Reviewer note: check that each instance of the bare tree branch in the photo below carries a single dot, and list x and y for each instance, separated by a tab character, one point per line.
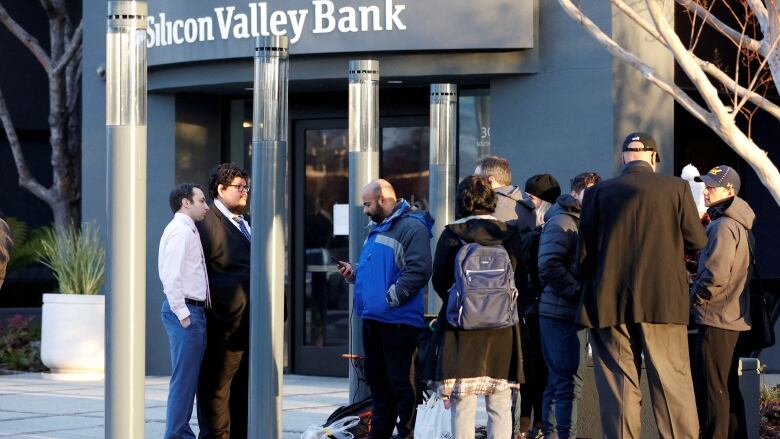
718	118
73	46
49	8
760	10
769	20
728	82
695	42
711	69
73	76
26	179
726	30
752	84
28	40
648	72
723	123
707	91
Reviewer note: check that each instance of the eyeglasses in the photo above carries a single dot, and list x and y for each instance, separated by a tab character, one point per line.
240	187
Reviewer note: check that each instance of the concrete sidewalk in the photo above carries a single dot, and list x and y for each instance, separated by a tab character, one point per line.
34	407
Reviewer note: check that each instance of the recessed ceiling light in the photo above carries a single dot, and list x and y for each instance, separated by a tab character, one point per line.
395	81
249	88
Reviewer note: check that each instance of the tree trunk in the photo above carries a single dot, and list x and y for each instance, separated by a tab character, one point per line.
62	65
63	214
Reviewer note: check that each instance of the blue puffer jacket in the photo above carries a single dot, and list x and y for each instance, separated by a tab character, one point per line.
396	254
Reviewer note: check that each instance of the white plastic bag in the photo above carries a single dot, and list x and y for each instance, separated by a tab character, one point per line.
433	421
337	430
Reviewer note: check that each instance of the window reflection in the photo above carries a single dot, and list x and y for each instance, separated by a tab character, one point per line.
326	298
405	159
473	129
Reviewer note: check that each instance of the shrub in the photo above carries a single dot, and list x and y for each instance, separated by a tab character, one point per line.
77	259
20	344
769	410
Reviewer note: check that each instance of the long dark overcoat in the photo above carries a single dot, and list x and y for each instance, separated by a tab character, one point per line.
634	230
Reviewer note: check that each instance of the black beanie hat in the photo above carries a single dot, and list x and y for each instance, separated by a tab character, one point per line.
543	186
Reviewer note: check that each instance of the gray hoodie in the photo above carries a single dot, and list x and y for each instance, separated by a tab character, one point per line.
721	298
513	208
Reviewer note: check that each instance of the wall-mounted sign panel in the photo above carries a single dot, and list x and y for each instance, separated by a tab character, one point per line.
199	30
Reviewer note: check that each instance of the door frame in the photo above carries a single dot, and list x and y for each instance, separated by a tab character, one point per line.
307	360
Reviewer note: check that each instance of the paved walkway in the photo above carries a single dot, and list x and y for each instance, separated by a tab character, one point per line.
34	407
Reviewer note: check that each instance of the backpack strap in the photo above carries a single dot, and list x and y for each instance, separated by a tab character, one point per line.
754	268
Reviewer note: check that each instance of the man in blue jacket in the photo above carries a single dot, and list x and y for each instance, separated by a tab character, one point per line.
394	266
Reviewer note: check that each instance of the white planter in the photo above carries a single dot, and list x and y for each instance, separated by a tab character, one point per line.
73	333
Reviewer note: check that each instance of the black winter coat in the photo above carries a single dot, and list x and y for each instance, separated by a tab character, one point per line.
560	296
474	353
634	231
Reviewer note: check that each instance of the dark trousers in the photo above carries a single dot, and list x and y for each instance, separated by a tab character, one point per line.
716	382
535	371
223	388
389	353
564	346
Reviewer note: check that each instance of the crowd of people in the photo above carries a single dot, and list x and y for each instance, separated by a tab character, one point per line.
602	264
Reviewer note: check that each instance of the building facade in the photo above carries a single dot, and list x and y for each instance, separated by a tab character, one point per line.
533	87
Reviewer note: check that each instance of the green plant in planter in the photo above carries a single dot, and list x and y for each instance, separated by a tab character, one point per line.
76	258
27	243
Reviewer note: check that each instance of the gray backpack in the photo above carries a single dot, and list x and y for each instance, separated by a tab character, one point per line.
484	295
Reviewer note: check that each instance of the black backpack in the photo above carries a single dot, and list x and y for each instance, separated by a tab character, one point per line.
361	409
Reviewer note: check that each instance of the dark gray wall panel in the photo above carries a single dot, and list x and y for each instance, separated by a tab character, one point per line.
559	120
161	158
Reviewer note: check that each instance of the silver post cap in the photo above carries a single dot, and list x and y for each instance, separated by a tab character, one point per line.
441	93
363	70
272	45
127	14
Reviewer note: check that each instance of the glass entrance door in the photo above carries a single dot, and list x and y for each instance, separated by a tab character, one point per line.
321	172
320	168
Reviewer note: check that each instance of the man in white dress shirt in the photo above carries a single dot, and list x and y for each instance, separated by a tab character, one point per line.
185	284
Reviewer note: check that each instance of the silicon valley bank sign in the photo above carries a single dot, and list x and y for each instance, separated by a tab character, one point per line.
200	30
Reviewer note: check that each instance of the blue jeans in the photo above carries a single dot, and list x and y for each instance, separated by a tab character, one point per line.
187	348
563	345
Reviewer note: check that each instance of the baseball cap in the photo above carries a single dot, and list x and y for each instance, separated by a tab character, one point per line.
647	141
721	176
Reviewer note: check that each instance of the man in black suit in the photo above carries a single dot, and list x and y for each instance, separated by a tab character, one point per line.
225	235
634	229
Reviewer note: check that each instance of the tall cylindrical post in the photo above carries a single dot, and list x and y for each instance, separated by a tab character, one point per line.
363	168
266	287
441	190
126	138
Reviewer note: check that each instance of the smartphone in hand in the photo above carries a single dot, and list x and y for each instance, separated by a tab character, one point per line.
336	261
